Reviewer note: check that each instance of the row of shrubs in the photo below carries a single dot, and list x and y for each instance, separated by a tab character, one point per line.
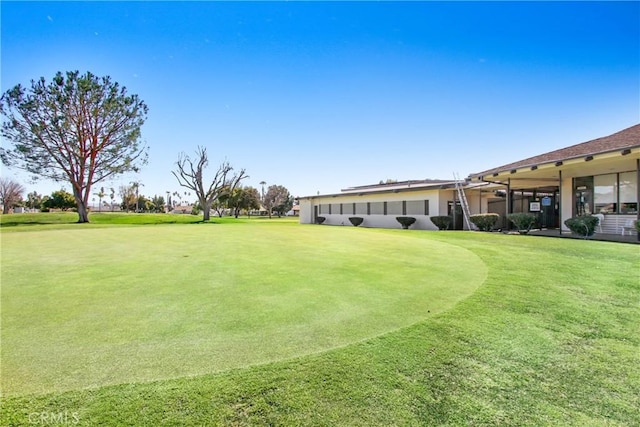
487	222
523	221
484	222
405	221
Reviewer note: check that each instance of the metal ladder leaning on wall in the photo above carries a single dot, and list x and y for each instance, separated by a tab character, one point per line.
463	202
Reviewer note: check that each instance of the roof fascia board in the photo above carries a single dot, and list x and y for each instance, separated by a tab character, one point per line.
552	164
385	191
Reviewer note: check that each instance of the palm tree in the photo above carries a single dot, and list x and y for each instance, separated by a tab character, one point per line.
136	185
262	183
112	195
100	195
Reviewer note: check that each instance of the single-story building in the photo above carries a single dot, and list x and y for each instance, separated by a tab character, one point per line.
595	177
380	204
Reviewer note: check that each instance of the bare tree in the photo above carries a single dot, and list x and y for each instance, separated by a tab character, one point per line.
10	193
80	129
190	175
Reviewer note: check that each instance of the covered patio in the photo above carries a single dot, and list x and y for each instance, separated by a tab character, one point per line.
597	177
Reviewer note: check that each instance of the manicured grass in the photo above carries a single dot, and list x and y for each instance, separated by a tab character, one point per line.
68	220
115	305
550	338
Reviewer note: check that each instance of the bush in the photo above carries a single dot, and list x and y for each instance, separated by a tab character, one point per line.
638	226
485	222
320	219
443	222
582	225
523	221
405	221
356	220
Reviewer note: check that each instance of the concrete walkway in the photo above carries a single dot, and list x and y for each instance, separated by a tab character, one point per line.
597	236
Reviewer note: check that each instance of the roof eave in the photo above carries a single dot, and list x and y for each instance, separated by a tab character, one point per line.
494	173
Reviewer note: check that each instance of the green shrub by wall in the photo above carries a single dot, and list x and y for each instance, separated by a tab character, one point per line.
405	221
356	220
485	222
582	225
523	221
443	222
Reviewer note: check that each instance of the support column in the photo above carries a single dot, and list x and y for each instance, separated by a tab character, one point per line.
560	201
508	201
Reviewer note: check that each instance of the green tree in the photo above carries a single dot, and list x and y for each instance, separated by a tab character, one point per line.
250	199
80	129
144	204
158	204
128	197
34	200
243	198
60	199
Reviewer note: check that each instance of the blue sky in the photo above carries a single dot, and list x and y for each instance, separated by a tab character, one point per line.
320	96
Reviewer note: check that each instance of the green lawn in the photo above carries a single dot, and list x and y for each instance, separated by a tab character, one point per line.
272	322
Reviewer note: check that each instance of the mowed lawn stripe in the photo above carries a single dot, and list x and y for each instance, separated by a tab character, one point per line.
83	308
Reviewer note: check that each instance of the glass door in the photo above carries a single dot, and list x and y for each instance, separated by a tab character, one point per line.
583	195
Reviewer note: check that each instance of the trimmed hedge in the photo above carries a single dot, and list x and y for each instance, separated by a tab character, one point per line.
405	221
485	222
356	220
443	222
320	219
523	221
582	225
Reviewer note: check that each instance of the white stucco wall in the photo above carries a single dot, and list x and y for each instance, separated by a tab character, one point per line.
376	220
306	211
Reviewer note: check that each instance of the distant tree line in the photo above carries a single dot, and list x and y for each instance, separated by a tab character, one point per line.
237	201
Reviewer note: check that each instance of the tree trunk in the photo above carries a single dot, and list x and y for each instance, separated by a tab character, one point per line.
206	211
83	212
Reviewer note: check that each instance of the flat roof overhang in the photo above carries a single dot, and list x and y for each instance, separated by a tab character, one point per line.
404	189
